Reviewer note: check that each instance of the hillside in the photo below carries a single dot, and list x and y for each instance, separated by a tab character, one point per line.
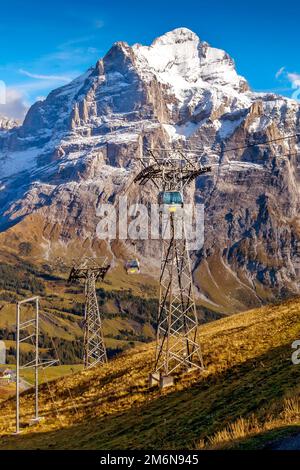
128	305
248	395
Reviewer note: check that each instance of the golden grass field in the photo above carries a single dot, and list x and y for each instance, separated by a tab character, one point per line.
248	395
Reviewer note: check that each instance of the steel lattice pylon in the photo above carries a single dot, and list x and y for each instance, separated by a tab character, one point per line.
177	329
25	331
94	347
177	343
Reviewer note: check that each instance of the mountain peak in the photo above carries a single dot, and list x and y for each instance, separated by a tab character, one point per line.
187	66
177	36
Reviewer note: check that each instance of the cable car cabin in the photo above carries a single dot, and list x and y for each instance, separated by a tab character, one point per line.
172	200
133	266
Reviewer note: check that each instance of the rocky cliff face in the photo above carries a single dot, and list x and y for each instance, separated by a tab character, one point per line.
80	147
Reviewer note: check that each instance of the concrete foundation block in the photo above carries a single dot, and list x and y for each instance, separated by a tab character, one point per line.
35	421
154	379
166	381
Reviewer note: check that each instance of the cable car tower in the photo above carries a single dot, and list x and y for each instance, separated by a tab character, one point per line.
177	343
91	271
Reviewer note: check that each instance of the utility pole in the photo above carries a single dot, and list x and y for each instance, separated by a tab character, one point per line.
91	271
31	329
177	343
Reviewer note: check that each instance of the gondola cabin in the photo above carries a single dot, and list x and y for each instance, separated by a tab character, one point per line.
171	200
133	266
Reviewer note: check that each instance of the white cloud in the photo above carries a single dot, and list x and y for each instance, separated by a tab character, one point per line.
32	87
92	50
75	41
61	78
16	105
2	92
67	61
294	78
19	97
280	72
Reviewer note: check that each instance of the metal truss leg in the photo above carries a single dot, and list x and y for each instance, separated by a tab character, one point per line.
94	347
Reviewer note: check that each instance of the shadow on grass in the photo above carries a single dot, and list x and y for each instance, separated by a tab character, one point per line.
180	418
282	438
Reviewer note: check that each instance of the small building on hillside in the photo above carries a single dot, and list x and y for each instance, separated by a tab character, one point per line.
6	374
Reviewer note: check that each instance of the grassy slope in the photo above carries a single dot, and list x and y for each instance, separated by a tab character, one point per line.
51	373
6	390
248	393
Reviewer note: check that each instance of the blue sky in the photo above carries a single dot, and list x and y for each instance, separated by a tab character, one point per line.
44	45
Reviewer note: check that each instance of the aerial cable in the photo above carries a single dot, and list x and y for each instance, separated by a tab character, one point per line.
244	147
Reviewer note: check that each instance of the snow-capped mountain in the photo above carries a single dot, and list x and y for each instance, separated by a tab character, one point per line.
81	145
7	123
